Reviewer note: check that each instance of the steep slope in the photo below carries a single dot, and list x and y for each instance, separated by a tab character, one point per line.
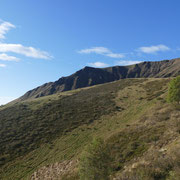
43	138
89	76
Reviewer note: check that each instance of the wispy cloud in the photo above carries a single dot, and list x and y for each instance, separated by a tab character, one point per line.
20	49
5	57
153	49
2	65
23	50
98	64
97	50
4	28
127	62
103	51
177	49
114	55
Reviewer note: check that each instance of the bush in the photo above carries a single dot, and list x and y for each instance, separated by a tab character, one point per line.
95	161
174	90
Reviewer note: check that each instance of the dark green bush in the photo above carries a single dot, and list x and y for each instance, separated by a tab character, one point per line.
174	90
95	162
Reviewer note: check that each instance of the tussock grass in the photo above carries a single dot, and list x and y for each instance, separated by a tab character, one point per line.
131	115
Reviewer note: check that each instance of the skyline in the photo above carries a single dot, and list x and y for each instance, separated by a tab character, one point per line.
43	41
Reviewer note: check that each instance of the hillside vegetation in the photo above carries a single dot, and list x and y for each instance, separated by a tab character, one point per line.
49	137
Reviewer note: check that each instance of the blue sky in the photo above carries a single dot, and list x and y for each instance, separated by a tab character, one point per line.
40	41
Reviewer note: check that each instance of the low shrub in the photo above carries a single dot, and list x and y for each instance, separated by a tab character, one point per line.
95	162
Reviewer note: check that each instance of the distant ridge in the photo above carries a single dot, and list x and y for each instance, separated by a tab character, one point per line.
89	76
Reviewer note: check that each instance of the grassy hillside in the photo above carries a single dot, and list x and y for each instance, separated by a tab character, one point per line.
47	135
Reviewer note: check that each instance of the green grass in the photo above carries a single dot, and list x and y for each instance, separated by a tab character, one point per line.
36	133
25	126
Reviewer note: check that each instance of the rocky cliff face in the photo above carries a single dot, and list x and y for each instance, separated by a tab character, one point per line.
90	76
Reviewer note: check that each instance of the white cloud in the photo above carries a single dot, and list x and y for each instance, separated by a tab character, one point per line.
103	51
4	100
5	57
17	48
2	65
126	63
4	28
153	49
26	51
98	64
97	50
114	55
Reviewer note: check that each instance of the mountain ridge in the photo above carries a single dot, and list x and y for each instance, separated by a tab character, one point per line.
89	76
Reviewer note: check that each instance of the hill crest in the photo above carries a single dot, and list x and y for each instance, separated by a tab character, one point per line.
89	76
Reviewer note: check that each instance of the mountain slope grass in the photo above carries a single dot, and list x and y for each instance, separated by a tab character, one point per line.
130	115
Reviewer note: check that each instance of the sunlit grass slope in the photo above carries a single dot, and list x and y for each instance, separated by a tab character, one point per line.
131	115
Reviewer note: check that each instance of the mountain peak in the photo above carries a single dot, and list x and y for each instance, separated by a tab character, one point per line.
89	76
